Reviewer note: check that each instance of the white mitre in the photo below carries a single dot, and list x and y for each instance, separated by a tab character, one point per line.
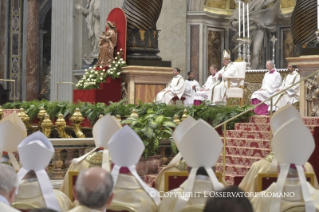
293	143
282	115
12	132
226	55
102	131
35	153
126	149
200	146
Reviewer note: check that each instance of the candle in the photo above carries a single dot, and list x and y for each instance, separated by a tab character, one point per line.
248	20
243	20
239	23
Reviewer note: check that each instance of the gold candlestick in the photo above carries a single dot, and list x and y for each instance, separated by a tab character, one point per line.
61	126
77	119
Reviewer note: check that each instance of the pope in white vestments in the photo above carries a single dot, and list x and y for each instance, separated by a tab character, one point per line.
291	95
205	93
176	88
229	70
191	86
271	82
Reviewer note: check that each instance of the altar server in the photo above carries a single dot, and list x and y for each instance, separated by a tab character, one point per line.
200	156
271	82
102	131
286	143
8	185
129	188
206	92
175	88
229	70
12	132
191	86
269	164
35	153
291	95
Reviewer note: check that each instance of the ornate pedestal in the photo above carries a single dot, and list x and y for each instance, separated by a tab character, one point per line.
306	65
143	82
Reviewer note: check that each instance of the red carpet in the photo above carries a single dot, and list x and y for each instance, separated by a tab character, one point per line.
248	143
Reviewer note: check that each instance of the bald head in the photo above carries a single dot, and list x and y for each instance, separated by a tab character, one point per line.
94	188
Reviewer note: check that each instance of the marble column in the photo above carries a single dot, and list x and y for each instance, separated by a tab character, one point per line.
33	51
195	5
62	49
4	39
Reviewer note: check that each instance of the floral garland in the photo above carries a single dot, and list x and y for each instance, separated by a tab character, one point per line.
96	75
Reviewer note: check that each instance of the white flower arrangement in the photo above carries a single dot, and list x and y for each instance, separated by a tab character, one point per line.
93	77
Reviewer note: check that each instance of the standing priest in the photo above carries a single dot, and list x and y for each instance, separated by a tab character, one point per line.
271	82
176	88
229	70
291	95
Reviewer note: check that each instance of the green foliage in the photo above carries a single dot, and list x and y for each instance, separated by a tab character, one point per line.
155	122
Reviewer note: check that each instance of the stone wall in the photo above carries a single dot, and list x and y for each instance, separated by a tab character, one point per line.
172	37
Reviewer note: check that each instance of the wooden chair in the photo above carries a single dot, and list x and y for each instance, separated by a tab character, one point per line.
73	175
299	208
175	179
264	180
237	92
193	209
23	206
176	98
118	207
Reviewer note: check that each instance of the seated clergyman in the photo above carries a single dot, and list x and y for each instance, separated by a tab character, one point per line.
205	93
176	88
291	95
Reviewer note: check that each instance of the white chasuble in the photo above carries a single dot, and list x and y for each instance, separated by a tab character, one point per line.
292	95
176	88
205	93
271	82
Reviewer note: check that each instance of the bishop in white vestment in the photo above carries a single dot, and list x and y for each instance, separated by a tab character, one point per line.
229	70
191	86
176	88
205	93
291	95
271	82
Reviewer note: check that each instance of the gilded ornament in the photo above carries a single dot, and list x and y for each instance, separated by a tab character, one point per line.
181	165
176	119
46	125
77	119
61	125
269	157
134	113
118	117
185	115
25	118
41	115
95	159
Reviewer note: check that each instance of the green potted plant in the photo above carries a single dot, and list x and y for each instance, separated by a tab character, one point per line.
151	127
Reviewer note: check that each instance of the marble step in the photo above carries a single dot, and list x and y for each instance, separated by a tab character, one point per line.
247	142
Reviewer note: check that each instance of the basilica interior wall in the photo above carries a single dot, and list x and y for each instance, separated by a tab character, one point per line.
172	35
